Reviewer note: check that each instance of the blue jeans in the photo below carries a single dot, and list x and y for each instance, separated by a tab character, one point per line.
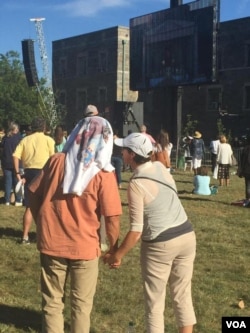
10	182
117	164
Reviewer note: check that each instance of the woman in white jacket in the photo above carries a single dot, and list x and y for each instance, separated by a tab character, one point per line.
224	160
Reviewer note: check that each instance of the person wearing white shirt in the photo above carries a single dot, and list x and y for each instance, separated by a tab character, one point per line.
213	147
224	159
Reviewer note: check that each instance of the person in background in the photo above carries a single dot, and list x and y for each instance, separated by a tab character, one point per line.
168	243
213	147
244	170
127	167
143	130
26	131
187	155
197	150
2	134
9	144
169	145
60	139
202	182
67	200
161	148
33	151
224	159
116	160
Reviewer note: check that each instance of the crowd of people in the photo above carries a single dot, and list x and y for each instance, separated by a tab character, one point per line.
222	158
71	183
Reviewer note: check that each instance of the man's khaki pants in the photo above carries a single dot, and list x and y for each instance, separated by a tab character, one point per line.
83	279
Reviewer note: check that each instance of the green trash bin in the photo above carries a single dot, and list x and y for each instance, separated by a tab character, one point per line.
181	162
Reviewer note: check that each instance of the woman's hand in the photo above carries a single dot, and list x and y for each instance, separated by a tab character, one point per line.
111	260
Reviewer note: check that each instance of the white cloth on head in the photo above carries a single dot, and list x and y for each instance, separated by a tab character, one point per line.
88	150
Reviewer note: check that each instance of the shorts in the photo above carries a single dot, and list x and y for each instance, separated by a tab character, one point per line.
196	163
29	174
223	171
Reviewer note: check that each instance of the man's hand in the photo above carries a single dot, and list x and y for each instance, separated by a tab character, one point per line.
114	257
111	260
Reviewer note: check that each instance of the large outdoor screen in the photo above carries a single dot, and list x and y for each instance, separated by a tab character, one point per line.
176	46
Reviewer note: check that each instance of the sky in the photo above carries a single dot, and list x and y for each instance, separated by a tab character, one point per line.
67	18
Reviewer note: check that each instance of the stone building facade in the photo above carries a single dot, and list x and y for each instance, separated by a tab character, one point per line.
92	68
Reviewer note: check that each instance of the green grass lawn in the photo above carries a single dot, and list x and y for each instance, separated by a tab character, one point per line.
221	273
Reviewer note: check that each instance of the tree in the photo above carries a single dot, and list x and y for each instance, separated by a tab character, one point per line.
18	102
189	126
220	127
222	130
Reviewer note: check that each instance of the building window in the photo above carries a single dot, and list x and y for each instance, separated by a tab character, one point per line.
248	55
102	98
102	95
82	65
102	62
81	100
214	98
61	104
62	67
62	98
247	97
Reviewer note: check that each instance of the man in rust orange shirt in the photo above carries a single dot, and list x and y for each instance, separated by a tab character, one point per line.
67	216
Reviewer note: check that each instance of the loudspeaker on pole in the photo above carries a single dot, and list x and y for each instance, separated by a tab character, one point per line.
29	62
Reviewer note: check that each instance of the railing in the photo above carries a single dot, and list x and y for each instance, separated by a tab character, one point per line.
206	159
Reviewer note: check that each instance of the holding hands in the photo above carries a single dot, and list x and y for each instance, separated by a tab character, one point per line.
114	258
110	259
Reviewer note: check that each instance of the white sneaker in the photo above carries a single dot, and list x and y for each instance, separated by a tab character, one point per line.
18	204
7	203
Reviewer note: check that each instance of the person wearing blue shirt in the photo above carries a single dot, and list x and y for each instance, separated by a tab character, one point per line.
197	150
8	146
202	182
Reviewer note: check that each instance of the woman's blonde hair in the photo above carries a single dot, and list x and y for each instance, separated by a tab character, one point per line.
223	139
13	128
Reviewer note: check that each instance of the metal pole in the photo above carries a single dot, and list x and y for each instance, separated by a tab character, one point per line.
123	67
179	93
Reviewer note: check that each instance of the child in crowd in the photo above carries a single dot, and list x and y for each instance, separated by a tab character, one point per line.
60	139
